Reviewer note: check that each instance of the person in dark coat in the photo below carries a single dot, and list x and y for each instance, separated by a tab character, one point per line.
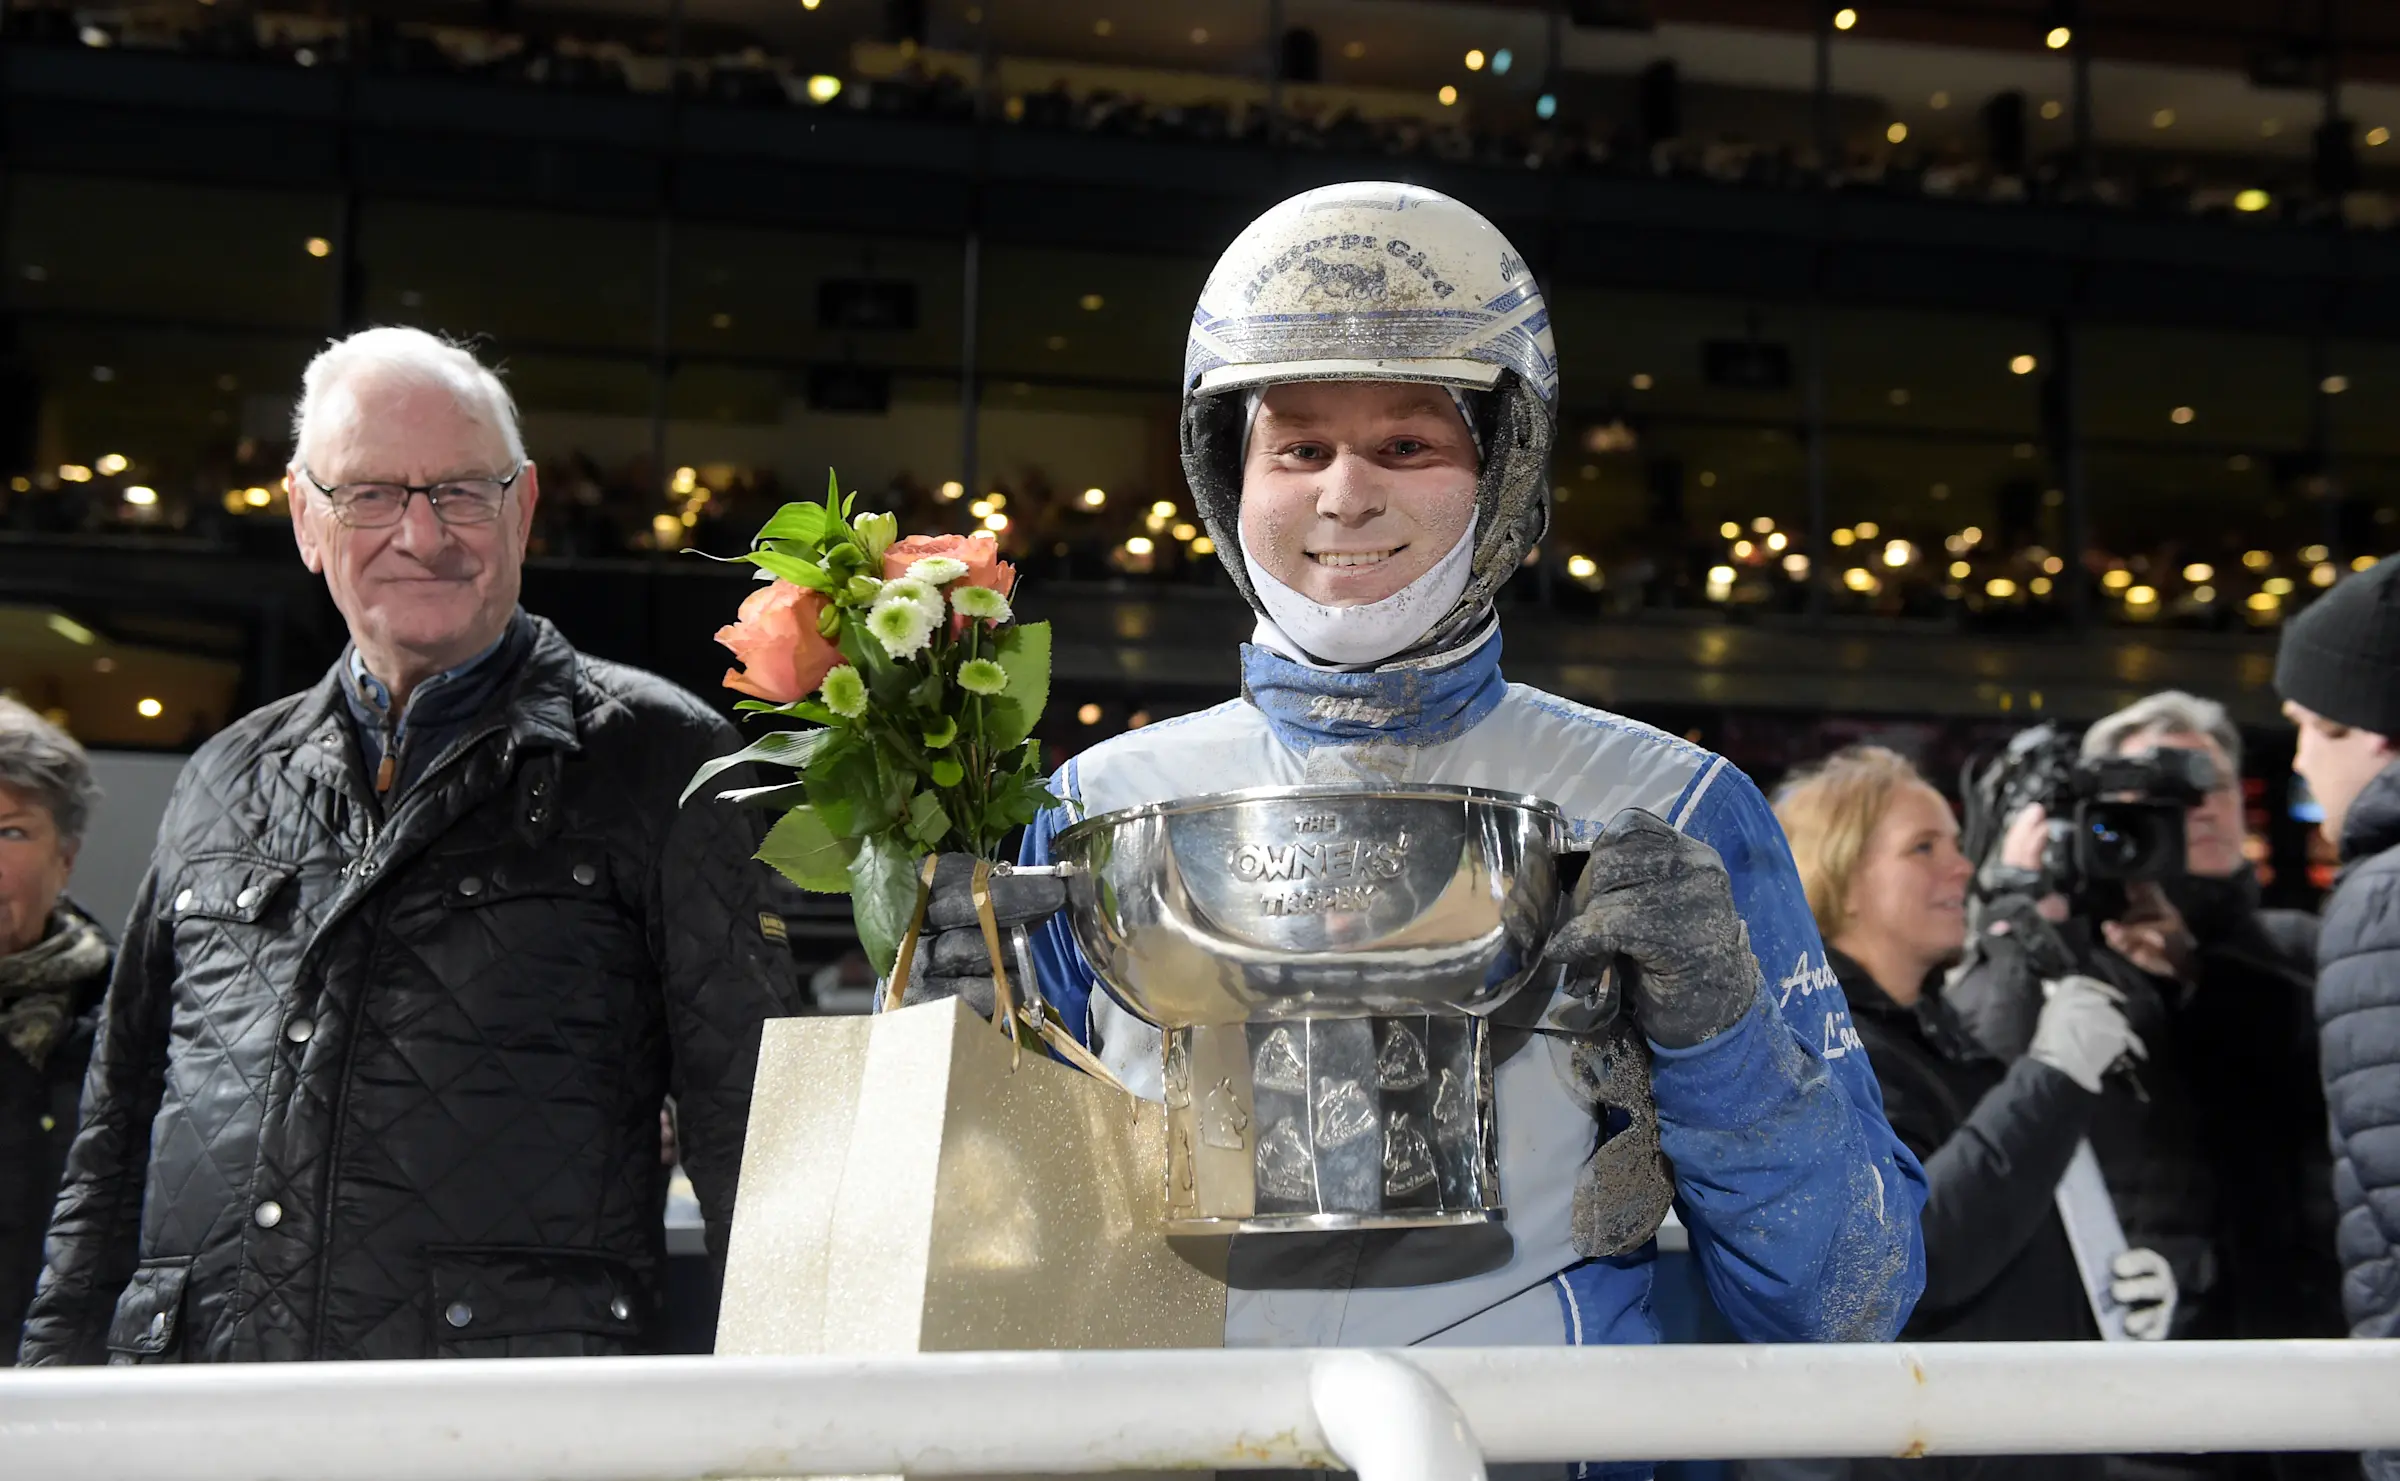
421	953
2338	670
54	963
1878	853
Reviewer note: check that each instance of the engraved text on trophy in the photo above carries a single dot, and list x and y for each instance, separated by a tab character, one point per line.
1314	873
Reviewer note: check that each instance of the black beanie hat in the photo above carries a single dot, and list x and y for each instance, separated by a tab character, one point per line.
2341	657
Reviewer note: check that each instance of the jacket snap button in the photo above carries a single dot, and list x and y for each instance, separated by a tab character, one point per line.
459	1314
183	902
248	898
267	1215
158	1324
620	1308
366	868
300	1030
585	874
470	886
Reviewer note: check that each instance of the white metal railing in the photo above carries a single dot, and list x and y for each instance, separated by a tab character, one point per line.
1426	1414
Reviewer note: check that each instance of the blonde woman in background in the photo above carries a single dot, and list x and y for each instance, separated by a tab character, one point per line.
1878	855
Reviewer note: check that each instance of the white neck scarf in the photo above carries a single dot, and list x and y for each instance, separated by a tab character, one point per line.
1369	633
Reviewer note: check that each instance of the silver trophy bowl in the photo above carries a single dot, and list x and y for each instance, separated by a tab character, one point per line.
1319	960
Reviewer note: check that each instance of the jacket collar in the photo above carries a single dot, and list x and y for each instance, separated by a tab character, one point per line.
2373	823
1416	706
534	707
1931	1017
453	695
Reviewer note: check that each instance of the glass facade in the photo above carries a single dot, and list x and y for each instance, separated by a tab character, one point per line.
1914	324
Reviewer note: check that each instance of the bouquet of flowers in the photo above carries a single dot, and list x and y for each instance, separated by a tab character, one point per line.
921	692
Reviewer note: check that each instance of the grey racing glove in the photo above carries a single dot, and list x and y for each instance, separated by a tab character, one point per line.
2082	1031
1661	905
951	960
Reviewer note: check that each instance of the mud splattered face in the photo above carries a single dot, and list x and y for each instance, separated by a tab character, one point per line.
1353	489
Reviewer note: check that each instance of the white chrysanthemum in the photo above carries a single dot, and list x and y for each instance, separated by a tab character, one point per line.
902	627
936	570
845	693
915	593
981	603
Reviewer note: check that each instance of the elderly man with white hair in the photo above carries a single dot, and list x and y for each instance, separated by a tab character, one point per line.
421	954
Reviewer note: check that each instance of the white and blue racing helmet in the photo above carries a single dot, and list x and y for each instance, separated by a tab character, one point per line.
1376	281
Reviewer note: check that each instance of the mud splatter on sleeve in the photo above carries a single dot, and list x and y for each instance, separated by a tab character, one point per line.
1802	1204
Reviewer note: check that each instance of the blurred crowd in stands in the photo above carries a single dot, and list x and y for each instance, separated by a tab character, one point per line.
1926	566
724	68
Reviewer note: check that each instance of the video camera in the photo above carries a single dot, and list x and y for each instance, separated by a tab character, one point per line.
2114	820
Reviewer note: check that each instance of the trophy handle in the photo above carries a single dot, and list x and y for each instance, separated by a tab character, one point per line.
1035	1014
1601	989
1017	940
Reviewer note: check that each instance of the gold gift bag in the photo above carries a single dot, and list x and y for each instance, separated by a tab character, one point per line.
912	1183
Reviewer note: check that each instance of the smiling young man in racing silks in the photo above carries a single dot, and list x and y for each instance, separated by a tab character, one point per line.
1369	399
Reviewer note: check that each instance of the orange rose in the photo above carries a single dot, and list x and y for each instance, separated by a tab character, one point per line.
778	644
979	553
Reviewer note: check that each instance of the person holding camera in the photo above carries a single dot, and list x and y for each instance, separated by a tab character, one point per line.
2338	670
1877	849
2242	978
2231	1186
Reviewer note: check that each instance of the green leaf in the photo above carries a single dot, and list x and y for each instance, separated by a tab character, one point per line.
883	895
1025	653
791	568
803	850
843	785
833	497
798	709
776	798
803	524
791	748
928	820
947	772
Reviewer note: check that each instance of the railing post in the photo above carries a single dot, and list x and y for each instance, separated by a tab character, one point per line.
1389	1422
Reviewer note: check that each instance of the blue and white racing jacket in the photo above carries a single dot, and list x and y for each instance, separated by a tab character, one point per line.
1801	1203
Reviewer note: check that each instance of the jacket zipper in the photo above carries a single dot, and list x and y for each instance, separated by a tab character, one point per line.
365	867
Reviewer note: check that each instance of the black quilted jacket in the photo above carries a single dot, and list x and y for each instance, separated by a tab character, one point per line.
371	1087
2358	1014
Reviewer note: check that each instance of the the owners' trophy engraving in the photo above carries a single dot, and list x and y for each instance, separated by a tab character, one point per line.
1320	961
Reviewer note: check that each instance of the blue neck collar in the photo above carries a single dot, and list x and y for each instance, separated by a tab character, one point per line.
1308	708
445	696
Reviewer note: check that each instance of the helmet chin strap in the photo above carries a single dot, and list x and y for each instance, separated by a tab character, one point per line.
1361	636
